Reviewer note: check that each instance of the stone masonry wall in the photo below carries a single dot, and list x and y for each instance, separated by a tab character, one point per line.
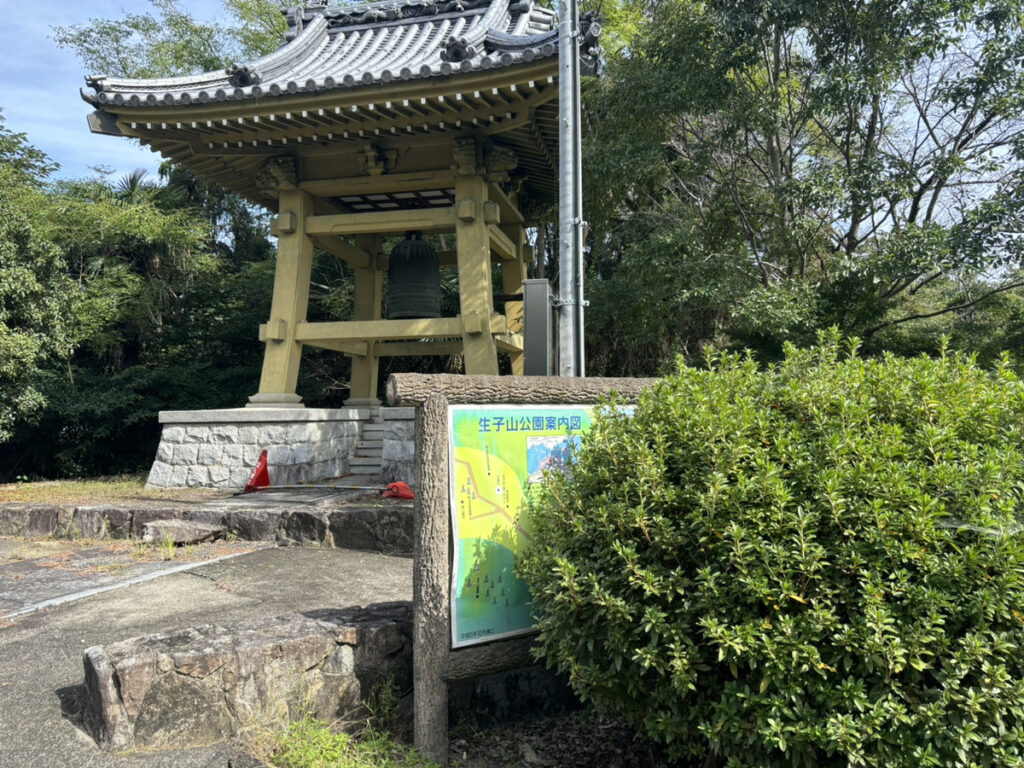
219	448
398	457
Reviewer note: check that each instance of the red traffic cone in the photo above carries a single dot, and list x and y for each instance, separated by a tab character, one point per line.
260	477
397	491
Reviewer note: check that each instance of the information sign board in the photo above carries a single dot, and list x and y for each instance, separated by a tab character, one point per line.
498	454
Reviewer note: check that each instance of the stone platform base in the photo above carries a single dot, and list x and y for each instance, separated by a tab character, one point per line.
207	684
219	448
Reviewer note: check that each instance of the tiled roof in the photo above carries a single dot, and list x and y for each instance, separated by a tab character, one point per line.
362	45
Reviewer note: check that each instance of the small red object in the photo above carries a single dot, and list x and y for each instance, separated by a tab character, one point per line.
397	491
260	477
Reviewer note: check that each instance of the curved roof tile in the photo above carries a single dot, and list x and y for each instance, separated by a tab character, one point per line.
332	48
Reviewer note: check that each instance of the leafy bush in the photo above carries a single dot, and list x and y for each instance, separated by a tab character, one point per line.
818	564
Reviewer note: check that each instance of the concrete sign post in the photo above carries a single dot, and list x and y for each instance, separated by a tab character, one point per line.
436	659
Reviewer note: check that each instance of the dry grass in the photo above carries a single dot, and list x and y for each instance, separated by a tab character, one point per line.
116	489
59	553
108	555
18	548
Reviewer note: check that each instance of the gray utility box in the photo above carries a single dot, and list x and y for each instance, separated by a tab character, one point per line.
538	328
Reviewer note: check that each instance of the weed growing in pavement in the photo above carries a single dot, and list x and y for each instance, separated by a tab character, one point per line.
141	550
110	567
371	739
167	550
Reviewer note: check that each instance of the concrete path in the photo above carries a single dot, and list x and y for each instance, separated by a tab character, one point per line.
41	651
40	574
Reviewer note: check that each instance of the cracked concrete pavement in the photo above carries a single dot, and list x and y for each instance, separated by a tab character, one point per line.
41	651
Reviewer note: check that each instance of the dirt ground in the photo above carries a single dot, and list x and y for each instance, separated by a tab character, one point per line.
575	740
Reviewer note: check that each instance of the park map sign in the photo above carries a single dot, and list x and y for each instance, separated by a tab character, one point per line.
498	456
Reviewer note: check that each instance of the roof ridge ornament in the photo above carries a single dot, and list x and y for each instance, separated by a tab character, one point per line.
457	49
242	76
590	47
376	12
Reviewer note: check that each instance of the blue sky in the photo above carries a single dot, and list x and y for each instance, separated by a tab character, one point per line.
41	91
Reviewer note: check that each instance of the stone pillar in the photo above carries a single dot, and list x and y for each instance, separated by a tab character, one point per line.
288	308
368	297
474	263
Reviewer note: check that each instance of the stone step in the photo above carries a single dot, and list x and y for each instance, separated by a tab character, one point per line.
370	453
374	428
367	470
370	444
390	414
364	461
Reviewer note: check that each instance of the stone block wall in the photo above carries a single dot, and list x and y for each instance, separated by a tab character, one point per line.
219	448
398	457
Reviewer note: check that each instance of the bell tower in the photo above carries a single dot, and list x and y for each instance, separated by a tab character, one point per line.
350	217
374	121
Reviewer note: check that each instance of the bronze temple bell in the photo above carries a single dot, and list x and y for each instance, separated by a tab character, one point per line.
414	279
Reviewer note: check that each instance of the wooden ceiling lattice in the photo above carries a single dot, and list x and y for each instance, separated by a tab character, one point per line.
399	201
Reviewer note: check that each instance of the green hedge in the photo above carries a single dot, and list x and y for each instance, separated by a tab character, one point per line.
814	565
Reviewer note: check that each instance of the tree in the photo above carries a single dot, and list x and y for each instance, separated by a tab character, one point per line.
38	302
23	163
832	158
170	42
164	317
118	298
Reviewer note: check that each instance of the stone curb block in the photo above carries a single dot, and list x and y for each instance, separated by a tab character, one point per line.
26	519
181	531
206	684
387	528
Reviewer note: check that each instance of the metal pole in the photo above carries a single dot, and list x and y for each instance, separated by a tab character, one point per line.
570	195
577	144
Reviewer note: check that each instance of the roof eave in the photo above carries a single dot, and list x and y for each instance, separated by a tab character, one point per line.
343	97
104	123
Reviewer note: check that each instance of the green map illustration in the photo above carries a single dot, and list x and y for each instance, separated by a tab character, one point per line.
498	454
